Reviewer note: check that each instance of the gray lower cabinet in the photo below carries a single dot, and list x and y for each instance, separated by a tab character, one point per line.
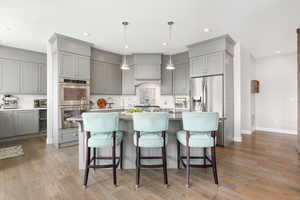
26	122
181	79
29	78
7	128
74	66
106	78
128	80
10	76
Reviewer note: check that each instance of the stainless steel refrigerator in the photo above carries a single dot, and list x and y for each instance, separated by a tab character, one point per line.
209	94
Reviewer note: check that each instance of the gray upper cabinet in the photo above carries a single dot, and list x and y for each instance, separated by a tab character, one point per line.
215	62
147	66
198	66
26	122
7	124
106	75
10	76
83	67
67	68
29	78
147	72
74	57
128	80
210	64
181	79
113	75
20	71
1	75
208	57
166	87
97	77
106	78
74	66
42	78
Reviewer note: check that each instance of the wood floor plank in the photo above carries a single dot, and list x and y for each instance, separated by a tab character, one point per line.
264	166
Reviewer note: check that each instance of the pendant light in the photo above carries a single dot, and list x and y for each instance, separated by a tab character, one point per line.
170	65
125	66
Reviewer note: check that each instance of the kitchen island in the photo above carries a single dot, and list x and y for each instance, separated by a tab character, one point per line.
129	151
126	125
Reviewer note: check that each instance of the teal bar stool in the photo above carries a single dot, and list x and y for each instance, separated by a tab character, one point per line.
199	130
102	132
150	132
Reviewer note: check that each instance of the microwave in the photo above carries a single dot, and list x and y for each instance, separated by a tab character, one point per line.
40	103
74	92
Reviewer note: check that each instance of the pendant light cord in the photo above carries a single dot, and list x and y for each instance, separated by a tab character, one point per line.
170	23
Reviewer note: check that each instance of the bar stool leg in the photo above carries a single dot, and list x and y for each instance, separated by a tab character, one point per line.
164	159
87	169
204	156
214	163
121	155
94	156
188	166
138	162
188	169
178	154
114	159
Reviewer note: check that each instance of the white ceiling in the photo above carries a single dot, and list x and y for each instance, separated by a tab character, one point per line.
262	26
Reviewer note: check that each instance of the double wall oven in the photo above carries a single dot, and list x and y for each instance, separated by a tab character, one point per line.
74	100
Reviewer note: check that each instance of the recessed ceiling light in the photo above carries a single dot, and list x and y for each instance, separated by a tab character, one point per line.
206	30
164	43
86	34
278	52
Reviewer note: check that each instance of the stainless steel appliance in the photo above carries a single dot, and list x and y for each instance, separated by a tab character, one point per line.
207	95
9	101
70	112
181	104
74	92
40	103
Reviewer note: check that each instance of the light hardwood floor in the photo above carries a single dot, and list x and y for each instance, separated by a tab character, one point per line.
263	166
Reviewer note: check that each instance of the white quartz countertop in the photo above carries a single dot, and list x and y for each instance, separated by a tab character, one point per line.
20	109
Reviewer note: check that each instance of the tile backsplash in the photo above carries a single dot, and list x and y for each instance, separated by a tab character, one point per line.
131	100
26	101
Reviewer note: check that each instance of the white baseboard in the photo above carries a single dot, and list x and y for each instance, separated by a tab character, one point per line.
237	139
284	131
247	132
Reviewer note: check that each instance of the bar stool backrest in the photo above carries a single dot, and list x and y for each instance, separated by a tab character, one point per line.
100	122
200	121
151	122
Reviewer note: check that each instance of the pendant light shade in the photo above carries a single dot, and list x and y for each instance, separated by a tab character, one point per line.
170	65
124	65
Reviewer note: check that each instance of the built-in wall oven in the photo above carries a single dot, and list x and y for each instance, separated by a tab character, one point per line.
74	92
74	100
70	112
